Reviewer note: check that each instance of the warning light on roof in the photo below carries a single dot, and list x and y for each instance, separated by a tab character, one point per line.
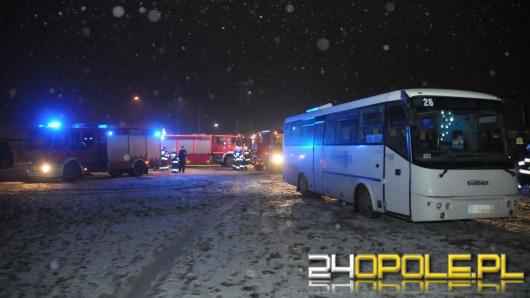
328	105
54	124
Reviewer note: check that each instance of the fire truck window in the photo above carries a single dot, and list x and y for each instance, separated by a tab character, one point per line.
221	141
236	142
75	140
88	140
59	141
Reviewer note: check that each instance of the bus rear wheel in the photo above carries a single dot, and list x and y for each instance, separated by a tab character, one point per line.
366	207
303	186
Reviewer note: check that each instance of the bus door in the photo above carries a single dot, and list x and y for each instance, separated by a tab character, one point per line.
317	155
397	166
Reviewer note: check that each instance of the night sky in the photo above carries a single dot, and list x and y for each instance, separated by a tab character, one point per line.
247	65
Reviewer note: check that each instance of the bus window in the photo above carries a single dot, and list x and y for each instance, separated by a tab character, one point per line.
371	121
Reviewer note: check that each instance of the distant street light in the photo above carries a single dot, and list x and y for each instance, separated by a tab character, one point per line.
134	101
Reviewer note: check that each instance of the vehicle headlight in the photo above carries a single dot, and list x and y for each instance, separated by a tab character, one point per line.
277	159
45	168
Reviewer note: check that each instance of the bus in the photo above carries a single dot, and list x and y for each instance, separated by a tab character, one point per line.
418	154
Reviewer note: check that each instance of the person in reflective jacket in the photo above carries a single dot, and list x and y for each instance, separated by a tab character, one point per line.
174	161
163	159
238	159
523	175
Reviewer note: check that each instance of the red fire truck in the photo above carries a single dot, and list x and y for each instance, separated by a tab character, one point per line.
68	153
267	150
205	149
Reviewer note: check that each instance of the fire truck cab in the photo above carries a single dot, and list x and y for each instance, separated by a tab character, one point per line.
267	150
69	153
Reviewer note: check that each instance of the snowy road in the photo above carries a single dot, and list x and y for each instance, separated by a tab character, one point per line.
213	232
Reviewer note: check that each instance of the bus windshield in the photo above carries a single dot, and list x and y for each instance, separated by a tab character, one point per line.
458	133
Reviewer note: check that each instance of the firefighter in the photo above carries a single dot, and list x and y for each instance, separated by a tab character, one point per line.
246	158
163	159
523	176
182	159
238	159
174	161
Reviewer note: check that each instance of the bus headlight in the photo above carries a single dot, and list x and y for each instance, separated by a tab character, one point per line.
45	168
277	159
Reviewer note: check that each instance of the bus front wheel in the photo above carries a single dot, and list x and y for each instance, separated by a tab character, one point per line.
365	205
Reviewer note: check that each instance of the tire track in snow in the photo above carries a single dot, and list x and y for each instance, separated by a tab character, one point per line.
142	284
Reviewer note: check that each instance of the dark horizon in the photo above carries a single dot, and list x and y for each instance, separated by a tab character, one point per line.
247	66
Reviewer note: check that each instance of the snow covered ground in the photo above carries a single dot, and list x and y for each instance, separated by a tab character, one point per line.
213	232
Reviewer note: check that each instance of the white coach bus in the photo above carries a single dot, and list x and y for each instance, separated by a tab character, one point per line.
419	154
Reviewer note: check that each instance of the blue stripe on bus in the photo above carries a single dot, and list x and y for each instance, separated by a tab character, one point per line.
353	176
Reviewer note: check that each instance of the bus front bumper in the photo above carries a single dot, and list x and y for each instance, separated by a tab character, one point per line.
456	208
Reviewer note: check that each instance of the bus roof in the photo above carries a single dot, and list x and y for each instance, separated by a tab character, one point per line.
392	96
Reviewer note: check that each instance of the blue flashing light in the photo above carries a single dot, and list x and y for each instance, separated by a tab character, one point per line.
54	124
102	126
158	134
110	133
326	106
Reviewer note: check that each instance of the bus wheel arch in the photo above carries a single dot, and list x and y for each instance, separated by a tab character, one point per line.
363	202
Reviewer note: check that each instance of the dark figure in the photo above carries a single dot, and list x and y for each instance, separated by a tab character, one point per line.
174	161
182	159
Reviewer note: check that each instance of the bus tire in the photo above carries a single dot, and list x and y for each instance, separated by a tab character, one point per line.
70	172
303	187
137	170
366	207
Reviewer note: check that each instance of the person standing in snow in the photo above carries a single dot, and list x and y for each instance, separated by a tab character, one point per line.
182	159
174	161
163	159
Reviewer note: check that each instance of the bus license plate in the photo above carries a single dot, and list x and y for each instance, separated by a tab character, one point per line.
480	209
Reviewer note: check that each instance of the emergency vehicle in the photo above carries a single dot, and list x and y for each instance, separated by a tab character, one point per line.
71	152
204	148
266	150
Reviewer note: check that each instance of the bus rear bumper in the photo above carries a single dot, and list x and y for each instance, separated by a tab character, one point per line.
457	208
